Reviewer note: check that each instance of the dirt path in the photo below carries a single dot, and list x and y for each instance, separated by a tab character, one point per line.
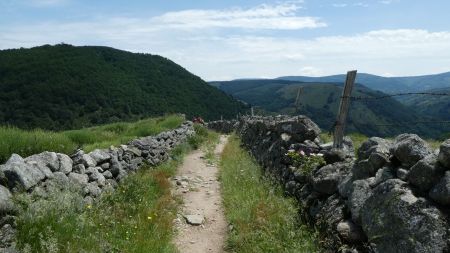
197	184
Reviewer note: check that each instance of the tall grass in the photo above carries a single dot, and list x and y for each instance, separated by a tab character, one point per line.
137	217
263	219
25	143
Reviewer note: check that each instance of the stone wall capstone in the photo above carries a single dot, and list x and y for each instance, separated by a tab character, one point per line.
394	197
94	172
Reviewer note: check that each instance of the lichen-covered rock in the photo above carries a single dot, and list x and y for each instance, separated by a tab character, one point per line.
441	192
6	203
20	175
301	128
376	146
396	221
60	179
350	232
359	193
425	173
444	154
93	190
363	169
326	179
100	156
409	149
65	163
79	179
81	158
45	159
382	175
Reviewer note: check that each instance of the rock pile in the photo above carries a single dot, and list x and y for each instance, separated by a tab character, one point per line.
93	173
394	197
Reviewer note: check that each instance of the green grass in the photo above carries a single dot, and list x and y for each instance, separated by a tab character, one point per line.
136	217
263	219
26	143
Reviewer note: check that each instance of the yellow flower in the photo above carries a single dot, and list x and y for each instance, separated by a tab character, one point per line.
149	217
89	206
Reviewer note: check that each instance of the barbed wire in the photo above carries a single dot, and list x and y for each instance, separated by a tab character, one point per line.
353	98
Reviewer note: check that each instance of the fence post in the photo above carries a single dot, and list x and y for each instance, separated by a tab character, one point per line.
343	110
297	100
253	113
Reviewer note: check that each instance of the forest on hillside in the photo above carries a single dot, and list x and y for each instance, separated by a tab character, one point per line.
67	87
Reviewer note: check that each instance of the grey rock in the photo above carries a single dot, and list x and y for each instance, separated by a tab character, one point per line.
95	175
345	186
21	175
359	194
409	149
93	190
374	145
65	163
402	174
444	154
60	179
301	128
100	156
121	175
327	178
45	159
116	166
6	203
363	169
111	182
79	168
105	166
426	173
194	219
7	235
79	179
396	221
441	192
334	155
382	175
107	174
84	159
350	232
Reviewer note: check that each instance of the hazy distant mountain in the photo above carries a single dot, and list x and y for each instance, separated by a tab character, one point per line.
385	84
437	107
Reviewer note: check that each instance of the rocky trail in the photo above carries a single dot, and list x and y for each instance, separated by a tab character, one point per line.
201	222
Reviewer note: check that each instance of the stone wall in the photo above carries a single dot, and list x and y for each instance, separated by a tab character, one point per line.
94	172
393	197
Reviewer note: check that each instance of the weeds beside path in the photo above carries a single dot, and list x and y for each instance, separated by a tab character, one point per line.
262	219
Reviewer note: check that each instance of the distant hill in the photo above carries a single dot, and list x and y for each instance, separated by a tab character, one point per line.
320	102
437	107
385	84
65	87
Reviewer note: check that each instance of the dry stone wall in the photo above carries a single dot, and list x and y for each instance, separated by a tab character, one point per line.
95	172
394	196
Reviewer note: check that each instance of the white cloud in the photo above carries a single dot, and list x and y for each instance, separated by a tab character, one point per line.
310	71
340	5
282	16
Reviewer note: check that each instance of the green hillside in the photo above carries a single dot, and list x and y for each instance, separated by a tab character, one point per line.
66	87
320	101
386	84
437	107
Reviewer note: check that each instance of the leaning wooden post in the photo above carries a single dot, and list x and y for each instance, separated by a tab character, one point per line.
253	113
297	100
343	110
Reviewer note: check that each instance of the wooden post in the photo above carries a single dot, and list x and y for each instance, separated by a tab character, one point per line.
253	113
343	110
297	100
221	117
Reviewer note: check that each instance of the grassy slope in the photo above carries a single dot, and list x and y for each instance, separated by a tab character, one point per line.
65	87
263	219
25	143
137	217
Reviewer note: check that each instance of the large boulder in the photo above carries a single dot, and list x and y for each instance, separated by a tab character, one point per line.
444	154
425	173
409	149
326	179
300	128
396	221
45	159
20	175
441	192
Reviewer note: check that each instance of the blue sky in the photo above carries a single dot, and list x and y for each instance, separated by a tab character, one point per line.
221	40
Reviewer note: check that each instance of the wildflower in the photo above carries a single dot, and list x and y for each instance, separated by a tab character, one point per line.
301	152
149	217
89	206
320	154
